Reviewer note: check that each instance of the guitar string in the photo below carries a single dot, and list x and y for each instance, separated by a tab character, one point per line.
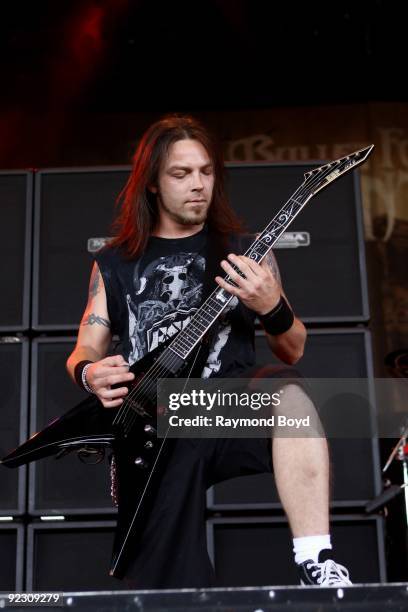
143	386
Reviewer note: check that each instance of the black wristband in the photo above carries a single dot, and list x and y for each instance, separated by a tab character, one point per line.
78	373
279	319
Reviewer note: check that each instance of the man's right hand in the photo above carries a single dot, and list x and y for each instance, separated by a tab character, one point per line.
102	374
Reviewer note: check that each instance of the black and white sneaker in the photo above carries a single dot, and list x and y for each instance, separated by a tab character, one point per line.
325	573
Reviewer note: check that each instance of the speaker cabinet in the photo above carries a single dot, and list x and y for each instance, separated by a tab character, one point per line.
12	557
66	485
15	249
14	369
70	557
324	276
71	206
258	550
356	473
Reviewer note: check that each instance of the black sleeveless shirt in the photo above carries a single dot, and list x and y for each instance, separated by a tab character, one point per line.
153	296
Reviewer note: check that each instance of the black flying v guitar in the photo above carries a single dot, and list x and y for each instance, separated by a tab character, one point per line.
139	455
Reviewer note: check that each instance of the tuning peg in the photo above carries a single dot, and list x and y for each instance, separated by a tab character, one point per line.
140	462
148	445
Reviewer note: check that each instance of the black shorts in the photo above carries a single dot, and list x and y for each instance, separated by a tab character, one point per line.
173	550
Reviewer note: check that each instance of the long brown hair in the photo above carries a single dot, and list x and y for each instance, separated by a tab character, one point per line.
137	205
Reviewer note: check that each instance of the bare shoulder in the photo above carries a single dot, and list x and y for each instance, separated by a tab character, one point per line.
96	283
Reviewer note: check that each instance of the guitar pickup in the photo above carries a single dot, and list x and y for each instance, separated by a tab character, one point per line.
171	361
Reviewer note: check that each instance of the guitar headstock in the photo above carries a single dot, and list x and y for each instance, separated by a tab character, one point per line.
318	178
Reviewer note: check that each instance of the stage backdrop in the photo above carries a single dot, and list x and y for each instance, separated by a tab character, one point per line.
278	134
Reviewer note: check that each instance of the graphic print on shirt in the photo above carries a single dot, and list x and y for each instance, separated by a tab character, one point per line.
213	363
166	296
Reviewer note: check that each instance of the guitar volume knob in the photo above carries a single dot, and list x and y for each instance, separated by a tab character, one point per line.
149	430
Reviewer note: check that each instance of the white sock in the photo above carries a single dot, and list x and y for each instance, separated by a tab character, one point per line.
309	547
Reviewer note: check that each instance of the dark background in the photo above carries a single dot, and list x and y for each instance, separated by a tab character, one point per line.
61	61
65	63
116	55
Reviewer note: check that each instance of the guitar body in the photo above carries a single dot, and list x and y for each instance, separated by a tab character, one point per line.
137	488
87	424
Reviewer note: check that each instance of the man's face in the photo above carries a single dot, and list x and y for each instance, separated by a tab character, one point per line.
185	185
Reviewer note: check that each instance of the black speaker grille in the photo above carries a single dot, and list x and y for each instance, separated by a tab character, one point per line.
13	383
14	216
71	207
255	552
8	559
326	280
63	485
74	558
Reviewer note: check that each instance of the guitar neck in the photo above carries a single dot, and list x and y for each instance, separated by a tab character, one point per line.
314	181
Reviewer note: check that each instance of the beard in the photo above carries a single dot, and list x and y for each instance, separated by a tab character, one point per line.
195	216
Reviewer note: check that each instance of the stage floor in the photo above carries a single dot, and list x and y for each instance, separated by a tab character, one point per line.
359	597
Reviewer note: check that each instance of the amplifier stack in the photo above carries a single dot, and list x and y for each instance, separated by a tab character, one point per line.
53	219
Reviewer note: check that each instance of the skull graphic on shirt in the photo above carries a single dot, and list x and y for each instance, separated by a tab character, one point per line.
166	296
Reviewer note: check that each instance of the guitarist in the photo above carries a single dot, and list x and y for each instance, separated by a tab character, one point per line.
146	285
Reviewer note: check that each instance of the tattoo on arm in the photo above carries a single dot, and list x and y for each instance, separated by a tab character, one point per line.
94	285
93	319
273	265
270	259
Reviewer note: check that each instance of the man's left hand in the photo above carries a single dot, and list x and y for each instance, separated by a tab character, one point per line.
259	290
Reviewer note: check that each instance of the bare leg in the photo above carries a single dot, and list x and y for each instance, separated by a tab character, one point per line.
301	467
